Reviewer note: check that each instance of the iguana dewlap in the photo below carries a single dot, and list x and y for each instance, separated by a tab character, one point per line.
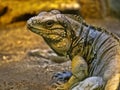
94	52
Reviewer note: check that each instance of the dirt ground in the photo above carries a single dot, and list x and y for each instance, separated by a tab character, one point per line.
21	71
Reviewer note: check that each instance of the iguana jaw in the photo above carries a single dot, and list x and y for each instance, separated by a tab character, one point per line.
61	47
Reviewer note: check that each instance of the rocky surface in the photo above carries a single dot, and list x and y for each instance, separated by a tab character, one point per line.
32	73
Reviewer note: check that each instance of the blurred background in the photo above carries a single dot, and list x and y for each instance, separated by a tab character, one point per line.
20	71
20	10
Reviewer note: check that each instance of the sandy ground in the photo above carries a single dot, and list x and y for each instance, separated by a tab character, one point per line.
20	71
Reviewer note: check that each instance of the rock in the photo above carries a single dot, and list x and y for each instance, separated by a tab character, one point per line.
21	10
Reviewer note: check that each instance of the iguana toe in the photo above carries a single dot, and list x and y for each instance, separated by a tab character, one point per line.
62	76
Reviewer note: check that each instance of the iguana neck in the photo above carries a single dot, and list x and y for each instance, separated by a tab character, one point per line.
83	42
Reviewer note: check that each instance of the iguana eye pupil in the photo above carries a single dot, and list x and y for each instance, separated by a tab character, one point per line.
49	23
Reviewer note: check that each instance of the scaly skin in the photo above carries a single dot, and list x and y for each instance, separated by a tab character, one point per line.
94	52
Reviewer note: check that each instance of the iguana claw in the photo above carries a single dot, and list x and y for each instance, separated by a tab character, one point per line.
62	76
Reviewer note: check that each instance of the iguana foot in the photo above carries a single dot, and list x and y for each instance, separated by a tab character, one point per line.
91	83
60	86
62	76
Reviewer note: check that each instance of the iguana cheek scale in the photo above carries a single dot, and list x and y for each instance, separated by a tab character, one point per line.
94	52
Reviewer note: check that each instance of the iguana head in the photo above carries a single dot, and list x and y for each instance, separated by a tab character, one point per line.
55	28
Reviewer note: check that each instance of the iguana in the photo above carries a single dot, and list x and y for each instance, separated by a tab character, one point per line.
94	52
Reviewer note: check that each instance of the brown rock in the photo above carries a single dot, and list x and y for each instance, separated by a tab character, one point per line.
23	10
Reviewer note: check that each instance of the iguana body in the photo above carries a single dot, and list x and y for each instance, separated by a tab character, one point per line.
94	52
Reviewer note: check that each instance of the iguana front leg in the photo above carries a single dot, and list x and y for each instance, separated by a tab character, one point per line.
79	72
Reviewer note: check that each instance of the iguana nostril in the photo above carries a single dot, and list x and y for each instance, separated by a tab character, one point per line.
28	21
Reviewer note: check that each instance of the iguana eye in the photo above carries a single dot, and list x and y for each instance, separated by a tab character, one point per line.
49	23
